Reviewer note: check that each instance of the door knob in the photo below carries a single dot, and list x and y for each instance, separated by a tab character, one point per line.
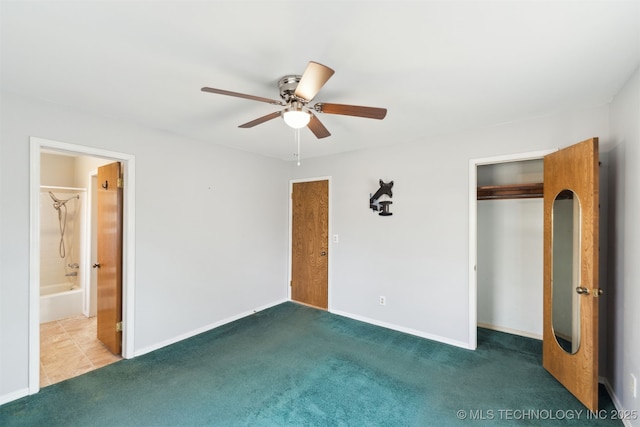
323	253
96	265
582	290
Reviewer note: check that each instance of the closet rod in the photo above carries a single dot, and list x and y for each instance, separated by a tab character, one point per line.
511	191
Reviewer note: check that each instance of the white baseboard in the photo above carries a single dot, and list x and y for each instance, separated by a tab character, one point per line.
206	328
614	399
6	398
510	331
409	331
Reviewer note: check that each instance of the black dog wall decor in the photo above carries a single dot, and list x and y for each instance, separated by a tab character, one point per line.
382	206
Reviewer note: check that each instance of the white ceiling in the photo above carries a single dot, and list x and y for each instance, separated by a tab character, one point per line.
438	67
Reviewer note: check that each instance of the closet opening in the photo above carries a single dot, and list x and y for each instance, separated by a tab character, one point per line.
506	245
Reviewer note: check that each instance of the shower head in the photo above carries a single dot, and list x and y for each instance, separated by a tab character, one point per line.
59	203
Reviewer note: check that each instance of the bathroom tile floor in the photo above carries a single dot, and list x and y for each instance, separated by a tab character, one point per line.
69	348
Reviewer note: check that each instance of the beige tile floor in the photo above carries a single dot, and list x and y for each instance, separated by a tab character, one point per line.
69	348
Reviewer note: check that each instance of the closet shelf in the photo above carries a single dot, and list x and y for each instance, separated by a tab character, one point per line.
511	191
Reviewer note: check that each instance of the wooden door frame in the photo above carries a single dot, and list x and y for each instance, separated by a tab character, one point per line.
128	246
473	229
295	181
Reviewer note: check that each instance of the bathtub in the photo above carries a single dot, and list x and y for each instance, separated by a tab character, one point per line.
59	301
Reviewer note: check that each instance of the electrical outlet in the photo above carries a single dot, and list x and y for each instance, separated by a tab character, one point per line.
383	300
633	385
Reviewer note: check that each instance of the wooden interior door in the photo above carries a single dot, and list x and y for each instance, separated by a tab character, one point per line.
109	262
574	168
310	241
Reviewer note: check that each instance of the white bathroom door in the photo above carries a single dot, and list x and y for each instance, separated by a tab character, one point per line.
109	262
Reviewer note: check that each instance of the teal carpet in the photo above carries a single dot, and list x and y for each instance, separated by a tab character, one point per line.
295	366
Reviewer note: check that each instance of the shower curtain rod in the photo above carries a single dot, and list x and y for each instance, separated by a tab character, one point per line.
53	187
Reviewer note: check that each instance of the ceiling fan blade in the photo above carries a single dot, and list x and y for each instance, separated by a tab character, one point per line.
351	110
318	129
261	120
242	95
312	80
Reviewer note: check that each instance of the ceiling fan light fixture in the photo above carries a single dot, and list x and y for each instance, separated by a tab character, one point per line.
296	117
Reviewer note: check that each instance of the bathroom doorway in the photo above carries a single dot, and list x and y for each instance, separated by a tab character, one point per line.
63	229
69	345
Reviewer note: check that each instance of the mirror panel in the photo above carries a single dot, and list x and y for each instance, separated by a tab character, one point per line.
565	275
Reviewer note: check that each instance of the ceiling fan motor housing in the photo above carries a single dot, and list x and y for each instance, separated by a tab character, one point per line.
287	86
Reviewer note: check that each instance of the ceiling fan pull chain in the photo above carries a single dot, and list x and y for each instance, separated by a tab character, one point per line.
297	131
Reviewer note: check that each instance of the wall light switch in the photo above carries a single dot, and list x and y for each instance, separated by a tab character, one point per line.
335	238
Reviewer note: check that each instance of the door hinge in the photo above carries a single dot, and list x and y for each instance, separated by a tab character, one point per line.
119	327
291	283
120	183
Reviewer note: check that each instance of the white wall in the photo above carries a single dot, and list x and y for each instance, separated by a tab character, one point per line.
623	245
211	228
418	258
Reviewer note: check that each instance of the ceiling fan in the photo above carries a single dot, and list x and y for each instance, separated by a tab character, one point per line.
296	92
